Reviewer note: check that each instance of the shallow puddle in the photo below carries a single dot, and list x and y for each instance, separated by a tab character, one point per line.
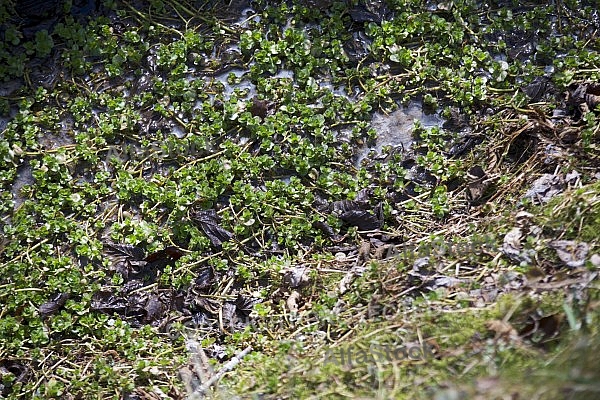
395	129
243	85
24	178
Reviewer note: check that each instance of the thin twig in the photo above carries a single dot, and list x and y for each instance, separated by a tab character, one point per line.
226	368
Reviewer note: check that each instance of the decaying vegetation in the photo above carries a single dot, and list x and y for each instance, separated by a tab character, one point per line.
209	199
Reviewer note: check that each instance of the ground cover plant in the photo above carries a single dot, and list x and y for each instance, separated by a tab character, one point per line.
212	198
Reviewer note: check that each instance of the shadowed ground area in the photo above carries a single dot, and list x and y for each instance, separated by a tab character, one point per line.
303	199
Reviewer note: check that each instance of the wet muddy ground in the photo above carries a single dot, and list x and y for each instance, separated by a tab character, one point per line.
171	165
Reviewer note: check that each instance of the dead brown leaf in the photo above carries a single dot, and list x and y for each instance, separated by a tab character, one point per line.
503	330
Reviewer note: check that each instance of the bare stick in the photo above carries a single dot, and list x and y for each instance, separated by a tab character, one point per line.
226	368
